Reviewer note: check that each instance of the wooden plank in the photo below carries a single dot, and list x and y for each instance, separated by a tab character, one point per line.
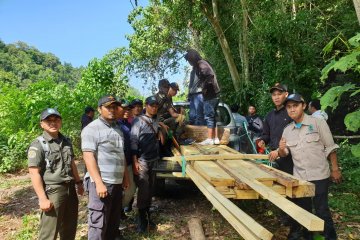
280	177
251	168
247	227
214	157
213	173
308	220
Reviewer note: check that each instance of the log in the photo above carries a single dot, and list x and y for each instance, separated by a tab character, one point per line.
306	219
247	227
196	230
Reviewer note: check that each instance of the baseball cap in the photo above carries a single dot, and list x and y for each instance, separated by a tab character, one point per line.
174	86
107	100
49	112
124	103
294	97
278	86
136	101
151	100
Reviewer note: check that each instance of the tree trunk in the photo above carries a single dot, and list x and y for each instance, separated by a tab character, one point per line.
244	43
357	9
293	9
214	20
196	229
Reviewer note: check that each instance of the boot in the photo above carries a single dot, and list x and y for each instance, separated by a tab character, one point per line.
151	224
142	221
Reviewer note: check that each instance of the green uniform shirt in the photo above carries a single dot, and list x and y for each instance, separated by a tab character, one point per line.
60	156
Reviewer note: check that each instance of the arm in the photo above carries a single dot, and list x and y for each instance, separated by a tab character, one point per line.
335	169
80	187
37	182
265	136
126	180
93	170
283	150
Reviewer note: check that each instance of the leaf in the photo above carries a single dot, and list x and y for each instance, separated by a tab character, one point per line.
329	47
355	40
347	62
352	121
332	97
325	71
354	93
355	149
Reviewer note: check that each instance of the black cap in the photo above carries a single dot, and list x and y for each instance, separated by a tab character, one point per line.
107	100
294	97
49	112
151	100
174	86
278	86
89	109
136	101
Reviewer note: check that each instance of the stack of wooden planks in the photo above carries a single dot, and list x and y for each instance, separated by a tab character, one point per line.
222	173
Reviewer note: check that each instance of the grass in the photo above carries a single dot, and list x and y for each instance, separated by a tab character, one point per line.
29	229
6	183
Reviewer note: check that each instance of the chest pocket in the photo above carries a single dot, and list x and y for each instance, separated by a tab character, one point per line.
313	137
67	154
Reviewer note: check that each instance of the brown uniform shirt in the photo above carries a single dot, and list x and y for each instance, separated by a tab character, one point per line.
310	144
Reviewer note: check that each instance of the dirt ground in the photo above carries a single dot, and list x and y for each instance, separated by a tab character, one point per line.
19	214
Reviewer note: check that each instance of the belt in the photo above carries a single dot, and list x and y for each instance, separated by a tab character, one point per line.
67	182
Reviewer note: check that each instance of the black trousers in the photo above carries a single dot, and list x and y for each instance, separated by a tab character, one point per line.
321	206
104	213
145	182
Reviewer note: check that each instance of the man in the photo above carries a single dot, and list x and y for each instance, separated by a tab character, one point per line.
102	144
275	122
145	136
195	97
311	145
254	121
122	118
170	120
87	117
136	109
315	110
54	175
210	91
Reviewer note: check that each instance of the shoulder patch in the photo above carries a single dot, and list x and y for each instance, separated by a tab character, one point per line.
31	153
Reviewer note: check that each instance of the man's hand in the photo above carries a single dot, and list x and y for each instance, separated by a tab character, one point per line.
136	167
282	144
80	189
45	204
101	189
261	144
273	155
180	119
126	182
336	176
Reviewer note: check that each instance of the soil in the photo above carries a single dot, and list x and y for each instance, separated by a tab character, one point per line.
171	211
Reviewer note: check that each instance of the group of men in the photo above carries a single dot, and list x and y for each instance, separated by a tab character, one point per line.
121	149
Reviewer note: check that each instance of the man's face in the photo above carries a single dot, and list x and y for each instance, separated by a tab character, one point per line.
137	109
172	92
120	112
51	124
151	109
91	114
295	110
311	109
278	97
110	112
251	110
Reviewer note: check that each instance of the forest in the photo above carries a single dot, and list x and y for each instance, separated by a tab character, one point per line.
311	46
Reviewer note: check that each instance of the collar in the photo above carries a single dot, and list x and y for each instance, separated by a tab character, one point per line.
49	138
305	122
279	110
106	122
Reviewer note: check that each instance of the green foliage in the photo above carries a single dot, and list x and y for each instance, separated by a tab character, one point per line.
332	97
20	107
29	228
348	61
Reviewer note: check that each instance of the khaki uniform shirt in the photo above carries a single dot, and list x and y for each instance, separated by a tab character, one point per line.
60	156
310	146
